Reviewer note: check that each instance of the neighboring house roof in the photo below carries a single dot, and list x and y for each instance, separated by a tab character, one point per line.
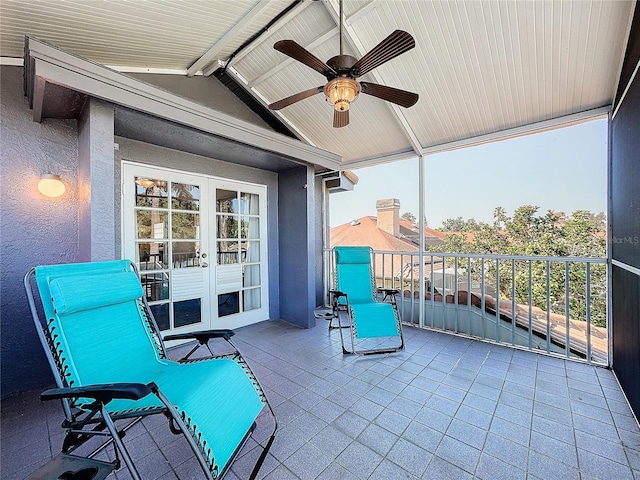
428	232
365	231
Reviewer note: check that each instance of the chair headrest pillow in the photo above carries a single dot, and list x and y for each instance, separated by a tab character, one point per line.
353	255
84	292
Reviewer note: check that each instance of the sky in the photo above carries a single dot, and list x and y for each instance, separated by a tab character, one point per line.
561	170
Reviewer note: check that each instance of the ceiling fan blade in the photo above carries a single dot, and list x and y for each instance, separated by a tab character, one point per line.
340	118
390	94
395	44
285	102
301	54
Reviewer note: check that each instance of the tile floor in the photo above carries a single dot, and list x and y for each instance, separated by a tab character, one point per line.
445	408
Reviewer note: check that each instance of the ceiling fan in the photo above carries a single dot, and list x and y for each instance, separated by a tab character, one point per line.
342	70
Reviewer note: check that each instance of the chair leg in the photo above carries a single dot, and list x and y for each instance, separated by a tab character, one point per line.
119	444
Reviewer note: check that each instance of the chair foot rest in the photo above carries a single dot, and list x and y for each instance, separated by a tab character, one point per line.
71	467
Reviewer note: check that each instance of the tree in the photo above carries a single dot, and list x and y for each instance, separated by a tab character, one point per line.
527	233
460	225
412	218
499	217
408	216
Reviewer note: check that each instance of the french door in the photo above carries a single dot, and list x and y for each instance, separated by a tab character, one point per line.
200	246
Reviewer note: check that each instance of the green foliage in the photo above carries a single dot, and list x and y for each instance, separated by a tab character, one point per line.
460	225
529	234
412	218
408	216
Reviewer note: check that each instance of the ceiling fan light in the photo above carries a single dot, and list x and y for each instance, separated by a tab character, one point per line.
340	92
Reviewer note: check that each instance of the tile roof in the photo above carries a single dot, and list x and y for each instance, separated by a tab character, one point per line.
428	232
364	231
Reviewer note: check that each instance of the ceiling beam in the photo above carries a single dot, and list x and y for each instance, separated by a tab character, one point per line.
532	128
537	127
318	41
623	55
281	22
333	7
232	35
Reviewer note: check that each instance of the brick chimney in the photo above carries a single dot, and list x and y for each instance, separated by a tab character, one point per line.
389	216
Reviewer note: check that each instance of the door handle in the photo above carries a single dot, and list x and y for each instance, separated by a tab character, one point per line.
205	264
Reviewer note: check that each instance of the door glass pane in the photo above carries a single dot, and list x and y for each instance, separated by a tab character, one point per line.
250	227
151	224
185	197
185	254
228	303
185	225
150	256
251	276
151	193
249	203
155	286
161	314
187	312
252	252
227	253
226	201
251	299
227	226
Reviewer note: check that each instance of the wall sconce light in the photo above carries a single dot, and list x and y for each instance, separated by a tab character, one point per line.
51	185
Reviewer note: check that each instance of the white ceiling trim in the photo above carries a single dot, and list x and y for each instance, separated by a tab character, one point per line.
537	127
161	71
291	14
351	36
213	67
238	29
623	54
372	162
16	62
624	94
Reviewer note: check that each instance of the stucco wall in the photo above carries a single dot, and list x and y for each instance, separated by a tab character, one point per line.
298	276
34	229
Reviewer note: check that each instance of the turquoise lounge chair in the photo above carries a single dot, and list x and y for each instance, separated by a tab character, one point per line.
372	322
110	364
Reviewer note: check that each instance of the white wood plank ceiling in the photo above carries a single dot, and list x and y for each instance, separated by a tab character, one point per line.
480	67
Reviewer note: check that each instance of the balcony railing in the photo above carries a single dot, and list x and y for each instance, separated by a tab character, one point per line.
553	305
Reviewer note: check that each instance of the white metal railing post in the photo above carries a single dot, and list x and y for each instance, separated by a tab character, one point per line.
567	308
588	312
421	225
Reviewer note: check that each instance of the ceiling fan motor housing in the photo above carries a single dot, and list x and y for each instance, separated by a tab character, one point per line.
342	63
343	89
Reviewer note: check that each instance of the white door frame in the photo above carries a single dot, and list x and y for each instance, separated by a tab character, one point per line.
207	277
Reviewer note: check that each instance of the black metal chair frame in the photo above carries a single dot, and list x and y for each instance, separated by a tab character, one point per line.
94	420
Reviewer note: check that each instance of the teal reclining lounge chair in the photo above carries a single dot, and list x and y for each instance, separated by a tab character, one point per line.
355	292
111	366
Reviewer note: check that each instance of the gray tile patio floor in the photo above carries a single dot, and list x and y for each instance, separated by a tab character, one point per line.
445	408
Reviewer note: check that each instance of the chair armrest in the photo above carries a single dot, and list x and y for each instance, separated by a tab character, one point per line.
203	336
337	293
102	392
389	291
